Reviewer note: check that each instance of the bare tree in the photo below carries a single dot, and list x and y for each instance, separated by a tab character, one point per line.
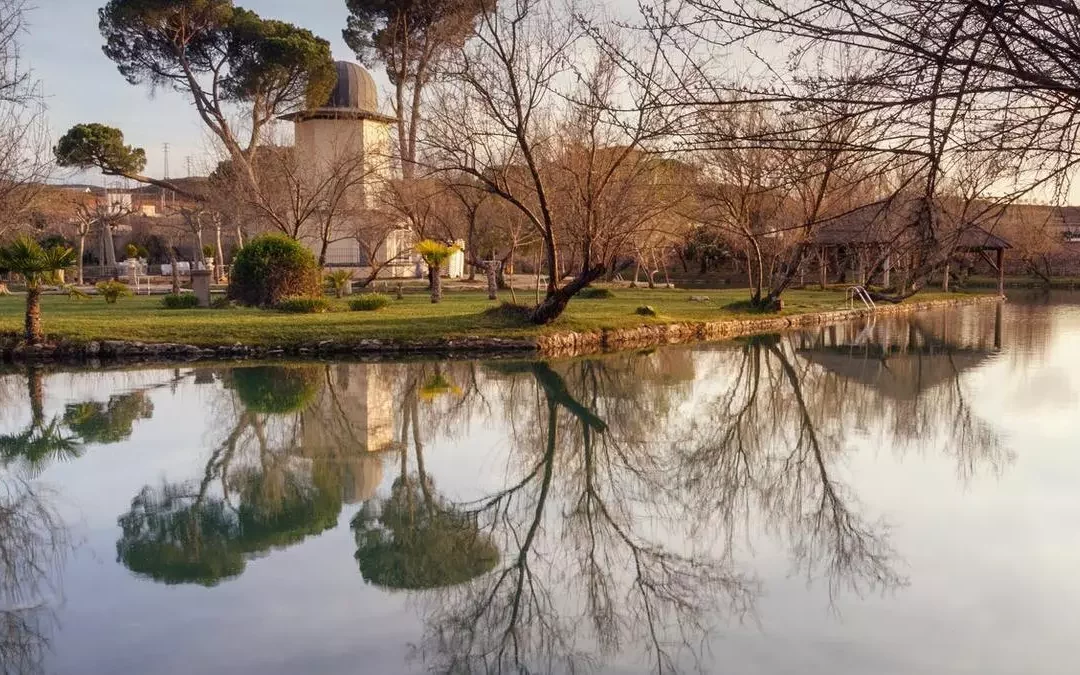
513	91
103	217
24	149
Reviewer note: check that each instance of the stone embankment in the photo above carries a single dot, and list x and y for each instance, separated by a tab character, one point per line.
559	344
572	344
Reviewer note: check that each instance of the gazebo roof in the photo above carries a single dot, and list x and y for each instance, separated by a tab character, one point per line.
884	221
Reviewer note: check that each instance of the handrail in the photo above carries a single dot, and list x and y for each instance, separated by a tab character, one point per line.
862	294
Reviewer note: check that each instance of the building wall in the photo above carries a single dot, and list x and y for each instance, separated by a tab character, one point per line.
329	146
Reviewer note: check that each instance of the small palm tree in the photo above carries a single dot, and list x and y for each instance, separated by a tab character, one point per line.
435	254
38	267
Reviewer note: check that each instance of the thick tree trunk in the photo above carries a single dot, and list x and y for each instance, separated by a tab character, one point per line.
33	314
436	284
35	385
110	249
492	280
555	303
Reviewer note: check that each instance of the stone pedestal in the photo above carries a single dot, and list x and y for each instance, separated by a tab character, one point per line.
200	283
347	288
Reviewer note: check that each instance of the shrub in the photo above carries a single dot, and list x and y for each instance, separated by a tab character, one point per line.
208	251
369	302
182	301
270	268
645	310
303	305
595	294
73	292
338	280
222	302
113	291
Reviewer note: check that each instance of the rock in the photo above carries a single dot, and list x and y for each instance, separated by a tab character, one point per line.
699	298
645	310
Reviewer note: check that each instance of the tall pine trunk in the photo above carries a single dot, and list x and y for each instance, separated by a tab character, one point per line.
82	252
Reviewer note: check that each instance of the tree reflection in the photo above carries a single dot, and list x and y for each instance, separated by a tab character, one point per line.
252	496
416	539
33	548
579	557
43	440
111	422
620	525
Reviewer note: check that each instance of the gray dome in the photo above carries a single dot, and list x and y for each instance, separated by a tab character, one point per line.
355	89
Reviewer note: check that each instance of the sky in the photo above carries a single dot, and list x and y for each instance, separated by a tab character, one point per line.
63	48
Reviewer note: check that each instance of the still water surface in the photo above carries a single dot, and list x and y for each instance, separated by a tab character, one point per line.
900	497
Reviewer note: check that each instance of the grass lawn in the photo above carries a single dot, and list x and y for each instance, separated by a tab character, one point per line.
461	313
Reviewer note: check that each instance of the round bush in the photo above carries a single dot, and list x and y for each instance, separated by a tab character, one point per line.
303	305
271	268
369	302
182	301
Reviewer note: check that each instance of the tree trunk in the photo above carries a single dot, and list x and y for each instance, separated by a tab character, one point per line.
555	303
35	385
110	249
220	267
436	284
175	271
492	280
82	252
33	313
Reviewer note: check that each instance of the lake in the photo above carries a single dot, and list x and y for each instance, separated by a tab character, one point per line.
897	496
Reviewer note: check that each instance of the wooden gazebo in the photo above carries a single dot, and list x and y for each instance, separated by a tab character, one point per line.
876	229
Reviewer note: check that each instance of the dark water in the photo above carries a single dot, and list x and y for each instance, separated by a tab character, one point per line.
896	498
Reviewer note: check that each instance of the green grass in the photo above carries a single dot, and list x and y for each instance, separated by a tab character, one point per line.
142	318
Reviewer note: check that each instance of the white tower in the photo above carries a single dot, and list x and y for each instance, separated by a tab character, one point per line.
348	136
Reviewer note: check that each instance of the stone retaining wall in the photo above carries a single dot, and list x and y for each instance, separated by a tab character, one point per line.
550	345
573	344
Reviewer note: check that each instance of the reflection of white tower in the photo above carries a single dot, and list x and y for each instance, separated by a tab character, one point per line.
346	138
350	421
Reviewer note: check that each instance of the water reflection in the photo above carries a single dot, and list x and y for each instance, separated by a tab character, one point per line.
617	525
34	543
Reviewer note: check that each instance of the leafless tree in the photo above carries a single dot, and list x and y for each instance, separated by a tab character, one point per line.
511	94
24	143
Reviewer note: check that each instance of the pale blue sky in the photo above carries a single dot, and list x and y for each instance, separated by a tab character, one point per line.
81	85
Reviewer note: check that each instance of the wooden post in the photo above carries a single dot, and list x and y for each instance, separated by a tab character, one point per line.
1001	271
945	279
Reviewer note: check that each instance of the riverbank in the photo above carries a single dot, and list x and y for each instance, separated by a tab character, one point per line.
461	326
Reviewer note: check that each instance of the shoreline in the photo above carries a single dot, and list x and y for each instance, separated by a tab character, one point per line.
552	345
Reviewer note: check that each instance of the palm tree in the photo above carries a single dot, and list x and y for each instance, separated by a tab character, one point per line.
37	266
435	254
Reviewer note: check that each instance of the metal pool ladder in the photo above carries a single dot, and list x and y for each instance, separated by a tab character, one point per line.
861	293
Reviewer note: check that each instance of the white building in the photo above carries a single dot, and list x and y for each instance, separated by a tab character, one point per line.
348	136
